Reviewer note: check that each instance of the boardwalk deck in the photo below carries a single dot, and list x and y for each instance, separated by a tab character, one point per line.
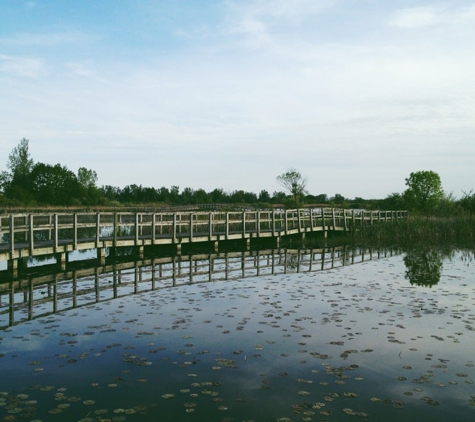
39	234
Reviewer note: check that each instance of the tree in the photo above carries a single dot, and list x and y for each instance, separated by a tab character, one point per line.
20	165
424	191
87	178
54	185
293	181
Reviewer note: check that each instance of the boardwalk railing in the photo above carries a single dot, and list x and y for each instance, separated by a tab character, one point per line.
28	235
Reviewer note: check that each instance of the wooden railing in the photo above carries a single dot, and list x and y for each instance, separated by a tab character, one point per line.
24	235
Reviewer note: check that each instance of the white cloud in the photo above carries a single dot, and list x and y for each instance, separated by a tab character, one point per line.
428	16
258	19
25	39
416	17
29	67
79	69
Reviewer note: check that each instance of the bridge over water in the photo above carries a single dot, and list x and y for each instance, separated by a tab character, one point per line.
26	235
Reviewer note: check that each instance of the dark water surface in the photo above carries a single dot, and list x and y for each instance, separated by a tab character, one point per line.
388	339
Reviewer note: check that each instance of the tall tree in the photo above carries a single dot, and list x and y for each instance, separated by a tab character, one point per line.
19	165
87	178
424	191
295	184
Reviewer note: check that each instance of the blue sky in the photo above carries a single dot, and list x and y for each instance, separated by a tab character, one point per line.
356	94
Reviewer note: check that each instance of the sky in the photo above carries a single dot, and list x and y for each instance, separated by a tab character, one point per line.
354	94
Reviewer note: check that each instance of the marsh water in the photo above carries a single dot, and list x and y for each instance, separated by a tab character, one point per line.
329	334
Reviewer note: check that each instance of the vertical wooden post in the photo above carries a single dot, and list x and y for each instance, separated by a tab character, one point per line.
75	231
299	220
191	227
32	233
286	222
154	227
344	221
311	219
258	222
98	229
273	223
244	224
353	219
323	221
56	236
116	228
210	226
136	228
174	228
227	225
333	219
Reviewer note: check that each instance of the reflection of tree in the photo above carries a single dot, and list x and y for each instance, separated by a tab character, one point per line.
423	266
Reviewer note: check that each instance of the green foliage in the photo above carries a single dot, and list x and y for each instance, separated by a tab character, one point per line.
295	184
87	178
467	202
424	191
55	185
15	182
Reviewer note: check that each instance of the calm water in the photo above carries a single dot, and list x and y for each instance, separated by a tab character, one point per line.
386	339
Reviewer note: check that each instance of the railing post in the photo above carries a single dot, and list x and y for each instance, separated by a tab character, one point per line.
116	228
353	223
56	234
311	219
323	220
286	222
227	225
210	225
258	222
98	228
75	231
273	223
32	233
191	227
12	236
344	221
136	228
174	228
299	221
333	219
154	227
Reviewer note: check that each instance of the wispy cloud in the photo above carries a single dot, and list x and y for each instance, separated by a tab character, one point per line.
258	19
29	67
45	40
424	17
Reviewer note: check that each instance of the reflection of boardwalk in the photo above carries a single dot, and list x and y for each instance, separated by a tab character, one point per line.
28	235
39	296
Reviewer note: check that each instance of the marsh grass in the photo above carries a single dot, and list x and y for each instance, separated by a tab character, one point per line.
420	229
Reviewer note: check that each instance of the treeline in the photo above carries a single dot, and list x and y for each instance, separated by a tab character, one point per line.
29	184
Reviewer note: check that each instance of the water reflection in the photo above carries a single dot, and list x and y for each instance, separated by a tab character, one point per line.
41	294
424	266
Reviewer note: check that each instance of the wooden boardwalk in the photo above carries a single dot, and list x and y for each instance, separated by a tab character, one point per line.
40	234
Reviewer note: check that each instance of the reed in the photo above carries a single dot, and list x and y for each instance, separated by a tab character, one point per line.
420	229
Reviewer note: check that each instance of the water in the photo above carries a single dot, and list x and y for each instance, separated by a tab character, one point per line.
386	339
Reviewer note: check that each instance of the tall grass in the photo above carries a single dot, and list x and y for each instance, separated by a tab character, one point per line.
420	230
